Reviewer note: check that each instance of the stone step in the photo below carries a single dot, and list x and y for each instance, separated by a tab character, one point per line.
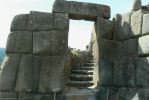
89	64
81	83
83	68
90	61
76	77
82	72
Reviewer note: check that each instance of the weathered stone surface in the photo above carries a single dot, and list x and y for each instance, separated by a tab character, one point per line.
128	94
61	21
129	48
143	94
50	42
39	21
143	45
9	71
122	26
19	23
105	72
142	72
19	42
24	81
8	96
106	28
80	10
136	23
145	27
110	49
123	72
51	74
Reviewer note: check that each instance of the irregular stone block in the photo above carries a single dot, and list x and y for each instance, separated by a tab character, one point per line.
19	42
8	96
105	72
145	27
129	48
19	23
122	26
136	23
51	74
9	71
39	21
142	72
80	10
50	42
110	49
105	28
61	21
123	72
143	46
24	81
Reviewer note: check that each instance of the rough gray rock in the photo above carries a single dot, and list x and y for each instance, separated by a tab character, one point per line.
122	26
145	29
50	42
123	72
19	42
129	48
19	23
25	80
110	49
39	21
142	71
136	23
105	27
51	74
106	72
80	10
9	71
136	5
61	21
143	94
143	46
8	95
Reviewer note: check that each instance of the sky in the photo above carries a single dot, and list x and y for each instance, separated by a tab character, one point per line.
80	31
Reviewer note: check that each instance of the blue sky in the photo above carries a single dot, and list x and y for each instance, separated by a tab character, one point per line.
79	30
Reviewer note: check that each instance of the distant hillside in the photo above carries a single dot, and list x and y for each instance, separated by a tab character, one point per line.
2	53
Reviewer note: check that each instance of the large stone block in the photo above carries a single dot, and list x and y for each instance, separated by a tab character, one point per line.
110	49
142	71
129	48
105	72
19	42
122	26
123	72
25	79
51	74
80	10
145	27
143	46
50	42
8	96
19	23
136	23
61	21
40	21
105	27
9	71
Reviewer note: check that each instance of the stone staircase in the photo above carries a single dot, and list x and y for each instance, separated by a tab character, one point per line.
82	76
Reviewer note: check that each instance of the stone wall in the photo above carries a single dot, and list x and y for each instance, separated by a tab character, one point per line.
33	66
123	58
